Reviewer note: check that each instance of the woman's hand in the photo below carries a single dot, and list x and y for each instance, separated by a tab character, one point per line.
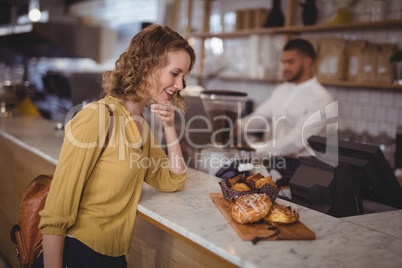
165	111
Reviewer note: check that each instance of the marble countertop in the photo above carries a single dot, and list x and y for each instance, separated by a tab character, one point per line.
35	134
372	240
389	222
338	243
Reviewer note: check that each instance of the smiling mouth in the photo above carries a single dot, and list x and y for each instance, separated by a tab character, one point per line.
169	93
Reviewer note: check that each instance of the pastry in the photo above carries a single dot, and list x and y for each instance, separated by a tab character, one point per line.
282	214
242	187
261	182
250	208
232	181
270	181
254	177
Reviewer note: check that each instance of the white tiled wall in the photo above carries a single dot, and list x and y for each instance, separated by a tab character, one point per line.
371	110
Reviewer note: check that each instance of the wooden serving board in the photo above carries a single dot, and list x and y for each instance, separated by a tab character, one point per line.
262	231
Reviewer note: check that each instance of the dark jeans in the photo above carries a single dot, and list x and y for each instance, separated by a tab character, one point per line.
77	255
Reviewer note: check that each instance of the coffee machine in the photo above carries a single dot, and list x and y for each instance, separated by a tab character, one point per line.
223	108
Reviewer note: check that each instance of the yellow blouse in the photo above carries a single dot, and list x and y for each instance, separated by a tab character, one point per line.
95	200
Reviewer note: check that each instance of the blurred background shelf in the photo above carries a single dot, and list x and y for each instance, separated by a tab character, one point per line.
359	84
299	29
276	80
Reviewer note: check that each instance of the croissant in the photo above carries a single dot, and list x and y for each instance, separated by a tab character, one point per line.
250	208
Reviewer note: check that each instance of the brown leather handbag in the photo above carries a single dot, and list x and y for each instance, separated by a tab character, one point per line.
26	234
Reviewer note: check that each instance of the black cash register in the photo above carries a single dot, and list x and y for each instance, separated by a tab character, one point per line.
361	175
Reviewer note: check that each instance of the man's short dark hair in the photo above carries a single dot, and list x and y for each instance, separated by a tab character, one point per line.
301	45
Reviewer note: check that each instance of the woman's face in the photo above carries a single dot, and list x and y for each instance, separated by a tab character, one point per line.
171	76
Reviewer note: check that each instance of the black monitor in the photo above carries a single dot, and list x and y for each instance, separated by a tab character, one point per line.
362	173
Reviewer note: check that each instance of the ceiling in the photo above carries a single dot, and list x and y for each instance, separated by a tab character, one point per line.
42	3
21	2
20	7
14	2
114	13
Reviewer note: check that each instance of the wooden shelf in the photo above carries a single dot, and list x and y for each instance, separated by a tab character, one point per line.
325	83
300	29
359	84
355	25
239	78
240	33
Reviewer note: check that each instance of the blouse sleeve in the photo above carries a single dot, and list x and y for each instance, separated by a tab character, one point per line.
84	139
158	174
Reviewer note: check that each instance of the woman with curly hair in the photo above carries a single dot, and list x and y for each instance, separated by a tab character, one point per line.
109	151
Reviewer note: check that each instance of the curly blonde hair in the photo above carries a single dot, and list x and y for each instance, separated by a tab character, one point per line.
146	54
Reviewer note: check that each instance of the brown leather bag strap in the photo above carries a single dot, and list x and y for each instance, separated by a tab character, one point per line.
109	129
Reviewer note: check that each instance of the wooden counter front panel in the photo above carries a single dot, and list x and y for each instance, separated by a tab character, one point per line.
153	247
18	166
